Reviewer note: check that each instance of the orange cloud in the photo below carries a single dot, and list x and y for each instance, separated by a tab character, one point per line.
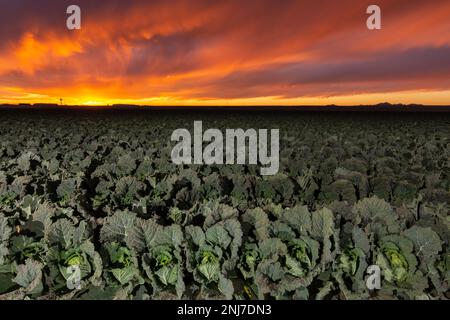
225	52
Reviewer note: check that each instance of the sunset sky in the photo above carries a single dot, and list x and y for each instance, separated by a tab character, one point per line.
231	52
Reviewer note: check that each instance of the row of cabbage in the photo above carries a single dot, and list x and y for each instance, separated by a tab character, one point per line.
218	253
101	166
379	187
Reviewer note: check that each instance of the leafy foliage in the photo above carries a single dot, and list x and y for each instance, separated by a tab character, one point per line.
104	196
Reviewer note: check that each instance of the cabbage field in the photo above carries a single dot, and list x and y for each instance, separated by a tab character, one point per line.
96	190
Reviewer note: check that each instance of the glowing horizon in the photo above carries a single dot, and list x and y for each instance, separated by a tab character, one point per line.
225	53
439	98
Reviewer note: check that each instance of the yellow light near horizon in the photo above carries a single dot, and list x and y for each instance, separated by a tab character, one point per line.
7	95
94	103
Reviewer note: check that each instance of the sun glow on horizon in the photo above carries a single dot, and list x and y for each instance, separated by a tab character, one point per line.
431	98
